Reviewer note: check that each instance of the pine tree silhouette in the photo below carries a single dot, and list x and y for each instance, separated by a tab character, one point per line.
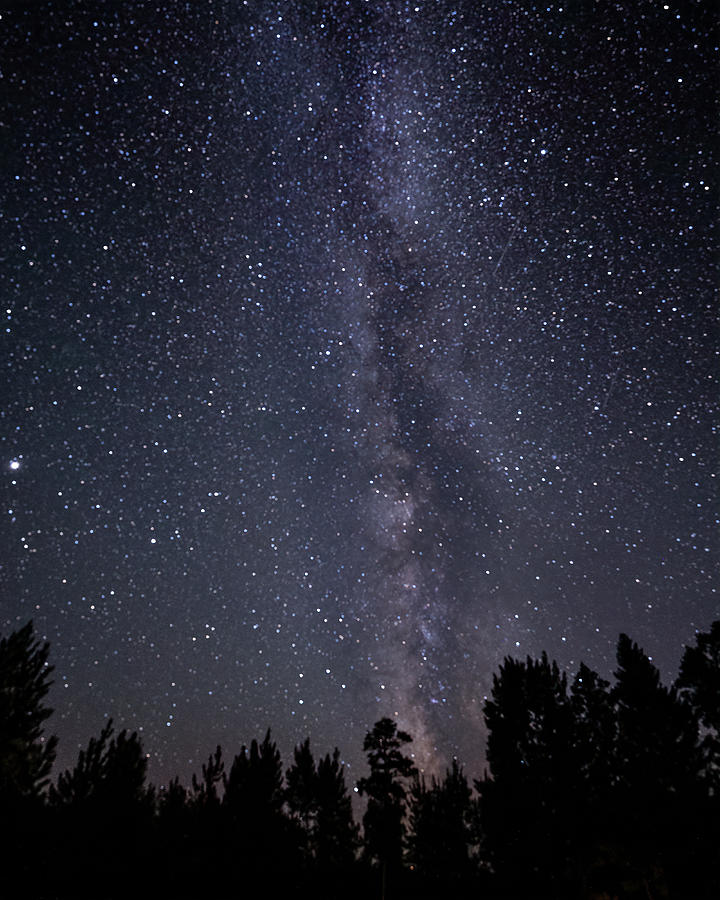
103	810
318	799
527	804
205	797
26	758
258	831
596	790
699	688
336	839
657	769
386	789
108	778
441	833
594	732
301	793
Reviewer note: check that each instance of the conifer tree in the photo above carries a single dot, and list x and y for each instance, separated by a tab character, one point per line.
657	765
108	780
301	790
527	803
26	756
441	830
337	834
173	811
699	686
254	784
257	830
103	811
318	799
205	796
386	789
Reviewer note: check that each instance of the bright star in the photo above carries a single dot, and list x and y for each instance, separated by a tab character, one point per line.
15	464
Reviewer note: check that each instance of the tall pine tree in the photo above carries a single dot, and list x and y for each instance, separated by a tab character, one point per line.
26	756
657	764
318	799
386	789
441	831
528	803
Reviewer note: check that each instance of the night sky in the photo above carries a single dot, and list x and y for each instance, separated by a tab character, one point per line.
349	348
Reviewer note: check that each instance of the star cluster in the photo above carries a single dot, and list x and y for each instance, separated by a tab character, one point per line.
348	348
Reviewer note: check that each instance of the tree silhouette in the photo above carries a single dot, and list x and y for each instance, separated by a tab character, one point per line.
254	785
528	804
176	840
205	797
258	831
103	811
593	790
441	831
205	827
318	799
658	765
337	834
594	732
108	778
173	813
386	790
26	758
699	686
592	780
301	790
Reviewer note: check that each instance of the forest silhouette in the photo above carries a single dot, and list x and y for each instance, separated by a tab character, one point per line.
593	790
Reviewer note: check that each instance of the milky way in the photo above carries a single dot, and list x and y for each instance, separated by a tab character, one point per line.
349	348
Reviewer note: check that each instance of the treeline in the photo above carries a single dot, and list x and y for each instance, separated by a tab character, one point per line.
593	791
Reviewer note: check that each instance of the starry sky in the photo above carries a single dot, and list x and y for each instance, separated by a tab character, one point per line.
349	347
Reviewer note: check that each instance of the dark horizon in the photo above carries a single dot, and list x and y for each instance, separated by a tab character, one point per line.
594	790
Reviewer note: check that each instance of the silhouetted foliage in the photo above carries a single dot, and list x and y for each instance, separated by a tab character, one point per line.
699	686
336	839
257	827
593	736
205	796
527	806
598	789
656	765
172	806
442	832
386	790
301	792
594	790
317	797
591	780
26	758
254	785
700	675
657	737
109	774
103	810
